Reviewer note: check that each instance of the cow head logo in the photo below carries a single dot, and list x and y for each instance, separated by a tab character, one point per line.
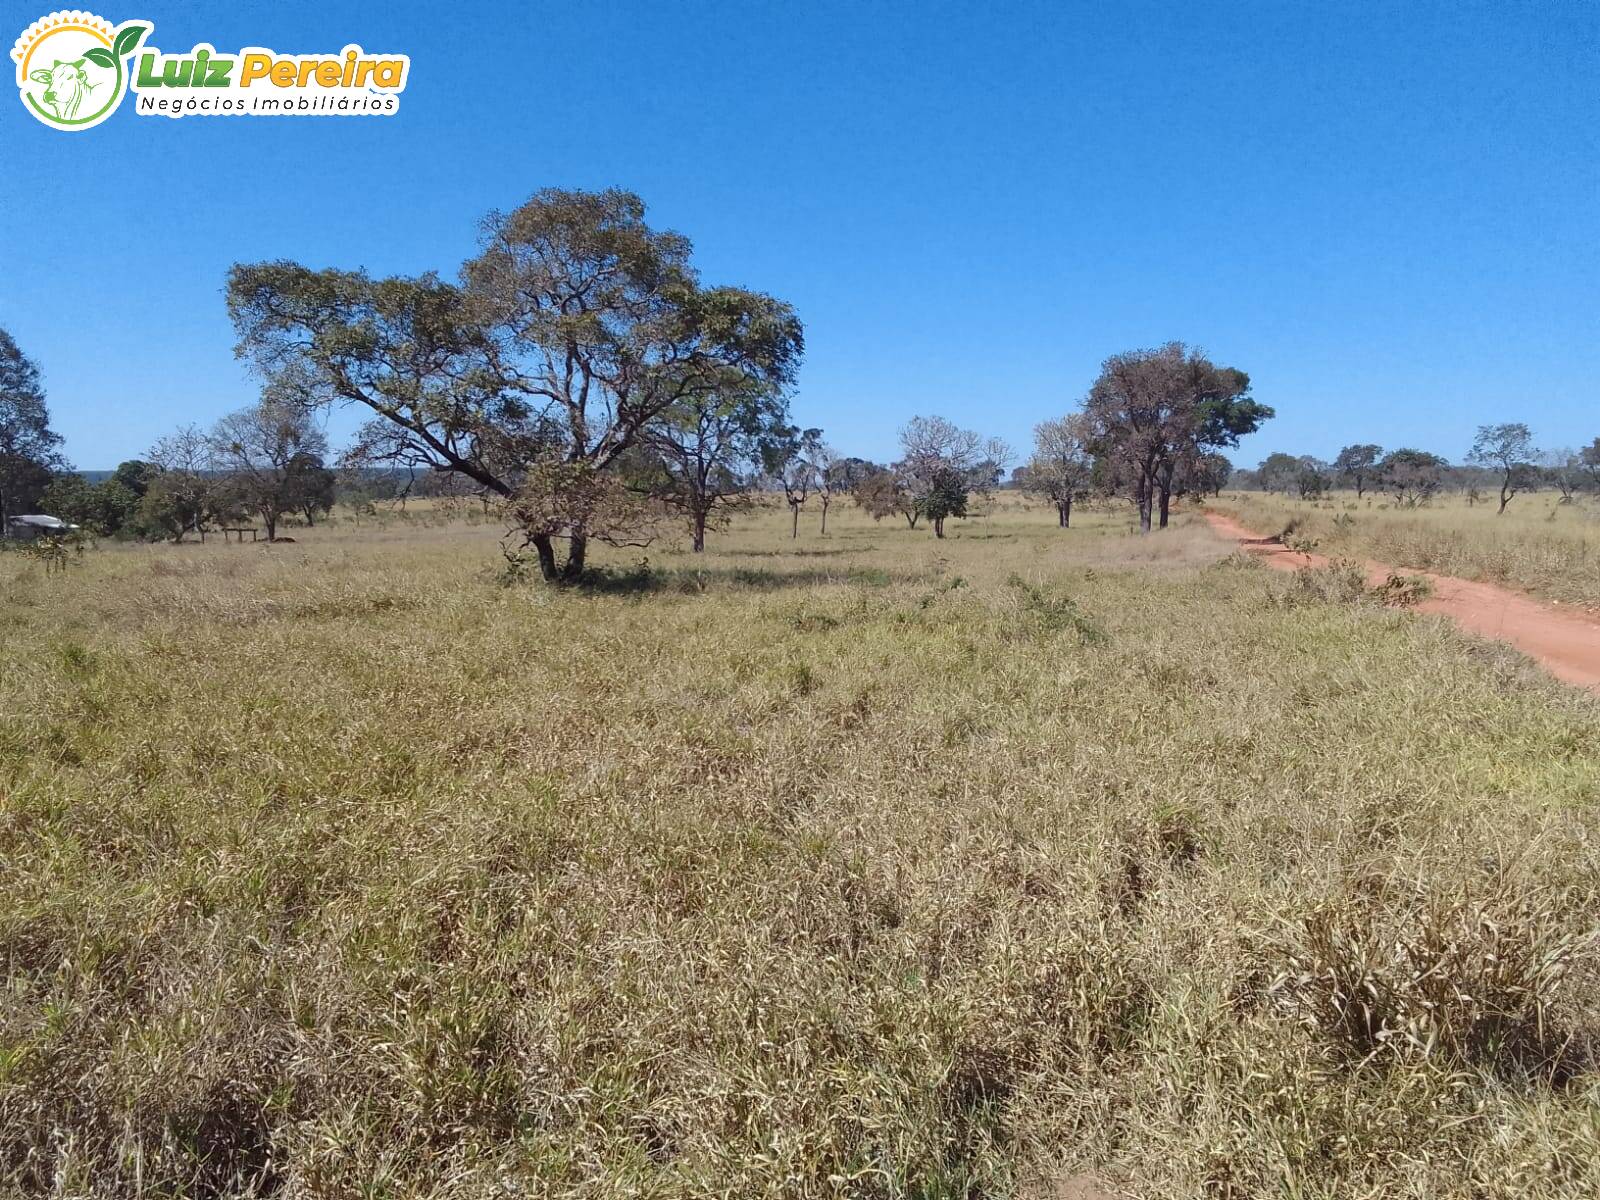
72	68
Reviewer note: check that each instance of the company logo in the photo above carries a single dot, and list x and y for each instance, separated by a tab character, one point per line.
73	69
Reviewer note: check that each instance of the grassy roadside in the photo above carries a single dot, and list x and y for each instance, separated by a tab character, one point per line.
866	866
1537	545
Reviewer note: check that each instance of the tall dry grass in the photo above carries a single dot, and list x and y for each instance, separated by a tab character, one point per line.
1537	544
860	866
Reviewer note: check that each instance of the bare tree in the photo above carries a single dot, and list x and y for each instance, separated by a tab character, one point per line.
187	491
1564	469
941	464
1062	465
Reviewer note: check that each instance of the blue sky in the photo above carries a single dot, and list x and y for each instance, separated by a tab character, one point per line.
1388	214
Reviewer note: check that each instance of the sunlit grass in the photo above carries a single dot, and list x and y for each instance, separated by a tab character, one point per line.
867	865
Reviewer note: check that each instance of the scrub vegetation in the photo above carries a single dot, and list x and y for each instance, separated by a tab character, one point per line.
866	865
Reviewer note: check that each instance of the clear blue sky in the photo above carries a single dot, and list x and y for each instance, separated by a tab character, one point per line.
1388	214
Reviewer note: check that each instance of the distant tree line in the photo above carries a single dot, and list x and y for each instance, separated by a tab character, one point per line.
262	463
578	378
1503	463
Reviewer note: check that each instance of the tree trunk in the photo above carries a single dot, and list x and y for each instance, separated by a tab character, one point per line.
794	530
577	550
1144	508
1505	496
1066	513
698	545
547	557
1166	503
938	527
824	518
911	519
270	520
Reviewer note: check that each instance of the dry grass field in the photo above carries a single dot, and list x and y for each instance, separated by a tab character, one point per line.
1538	545
858	866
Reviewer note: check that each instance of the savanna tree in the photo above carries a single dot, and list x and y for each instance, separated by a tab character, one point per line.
1153	410
792	469
186	490
1589	460
941	465
705	454
1062	465
1564	470
1507	450
840	476
1358	464
312	486
1313	478
1209	473
1412	476
575	328
1278	472
269	451
884	492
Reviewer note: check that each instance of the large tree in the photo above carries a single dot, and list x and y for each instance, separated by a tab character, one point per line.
1062	465
575	328
1154	410
1358	463
1208	473
311	486
1508	450
1313	478
30	451
1278	472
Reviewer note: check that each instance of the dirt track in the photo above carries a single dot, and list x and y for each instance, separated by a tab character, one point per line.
1564	643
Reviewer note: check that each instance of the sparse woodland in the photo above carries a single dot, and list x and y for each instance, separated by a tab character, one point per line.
616	789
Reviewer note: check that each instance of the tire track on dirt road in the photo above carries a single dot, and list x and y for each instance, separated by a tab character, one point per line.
1564	643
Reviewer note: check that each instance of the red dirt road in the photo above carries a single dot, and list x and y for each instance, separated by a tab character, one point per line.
1564	643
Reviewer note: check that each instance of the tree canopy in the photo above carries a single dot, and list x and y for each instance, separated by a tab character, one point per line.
1155	412
574	329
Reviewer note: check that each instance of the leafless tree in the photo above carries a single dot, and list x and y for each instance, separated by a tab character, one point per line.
1062	465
